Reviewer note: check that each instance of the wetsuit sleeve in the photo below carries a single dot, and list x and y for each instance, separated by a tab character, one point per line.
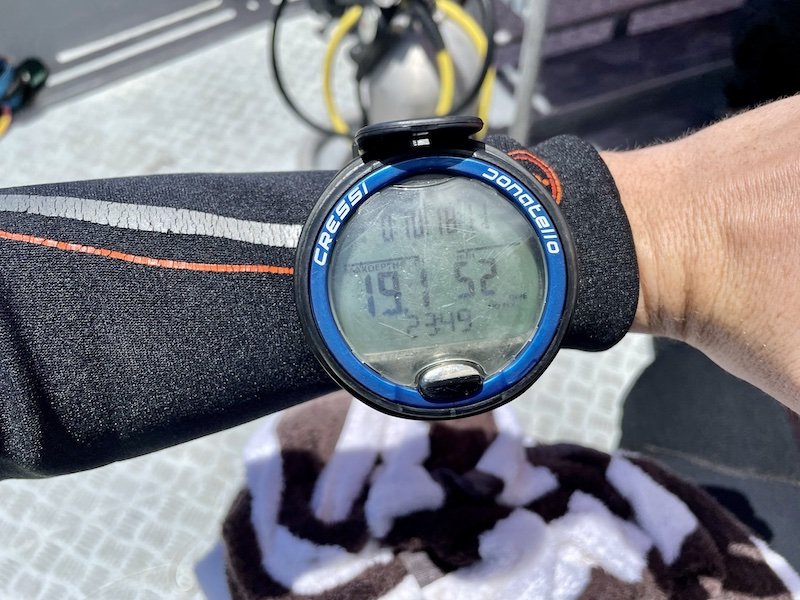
142	312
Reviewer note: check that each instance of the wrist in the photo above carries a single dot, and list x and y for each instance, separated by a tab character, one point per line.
675	242
715	218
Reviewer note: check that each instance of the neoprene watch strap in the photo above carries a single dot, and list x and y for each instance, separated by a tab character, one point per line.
608	274
142	312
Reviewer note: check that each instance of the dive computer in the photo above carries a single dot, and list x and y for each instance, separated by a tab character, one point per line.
435	277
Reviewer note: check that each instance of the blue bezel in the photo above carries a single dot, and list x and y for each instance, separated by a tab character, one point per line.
520	195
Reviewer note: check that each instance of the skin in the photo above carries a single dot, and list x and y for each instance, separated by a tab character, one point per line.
716	224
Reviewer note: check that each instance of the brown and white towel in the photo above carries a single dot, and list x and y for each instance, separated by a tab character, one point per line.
343	502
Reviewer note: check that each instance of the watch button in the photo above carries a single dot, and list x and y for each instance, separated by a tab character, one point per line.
450	381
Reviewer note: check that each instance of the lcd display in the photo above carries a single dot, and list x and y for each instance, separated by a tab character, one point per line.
434	269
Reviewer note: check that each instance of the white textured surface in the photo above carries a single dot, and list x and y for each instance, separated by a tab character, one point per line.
136	529
214	111
133	529
579	397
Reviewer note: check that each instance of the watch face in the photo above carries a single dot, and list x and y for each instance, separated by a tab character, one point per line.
436	269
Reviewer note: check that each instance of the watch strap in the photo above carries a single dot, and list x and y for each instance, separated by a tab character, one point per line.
608	276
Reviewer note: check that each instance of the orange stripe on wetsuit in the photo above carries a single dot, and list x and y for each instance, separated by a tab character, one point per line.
144	260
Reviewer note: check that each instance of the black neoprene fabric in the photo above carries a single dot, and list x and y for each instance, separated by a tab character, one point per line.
108	356
608	274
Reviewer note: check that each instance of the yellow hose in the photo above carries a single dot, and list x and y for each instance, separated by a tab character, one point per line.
447	83
444	63
343	27
5	122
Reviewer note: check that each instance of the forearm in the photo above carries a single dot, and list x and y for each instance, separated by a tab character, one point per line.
716	218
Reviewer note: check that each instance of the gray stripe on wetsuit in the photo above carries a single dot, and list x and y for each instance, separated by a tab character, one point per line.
159	219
